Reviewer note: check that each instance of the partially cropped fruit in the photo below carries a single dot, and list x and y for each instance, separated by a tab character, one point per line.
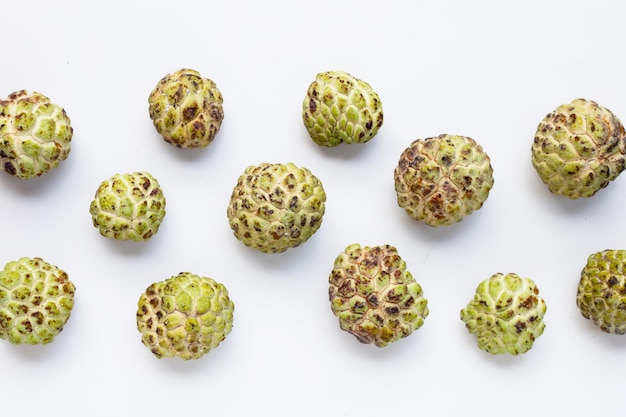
506	314
274	207
442	179
186	109
374	296
184	316
601	295
339	108
128	206
35	134
579	148
36	300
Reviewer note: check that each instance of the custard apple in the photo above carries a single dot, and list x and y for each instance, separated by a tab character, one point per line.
374	296
601	295
186	109
35	134
128	206
274	207
442	179
506	314
36	300
340	108
579	148
184	316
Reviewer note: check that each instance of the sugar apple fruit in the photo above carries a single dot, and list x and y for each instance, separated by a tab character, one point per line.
128	206
374	296
184	316
35	134
601	294
506	314
442	179
274	207
186	109
36	300
579	148
340	108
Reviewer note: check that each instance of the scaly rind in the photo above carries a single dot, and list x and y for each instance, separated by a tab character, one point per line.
442	179
184	316
274	207
340	108
35	134
506	314
601	294
579	148
186	109
128	206
374	296
36	300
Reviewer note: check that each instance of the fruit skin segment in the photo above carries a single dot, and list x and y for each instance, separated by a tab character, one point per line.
184	316
440	180
129	206
506	314
340	108
36	301
35	134
186	109
579	148
275	207
601	293
373	295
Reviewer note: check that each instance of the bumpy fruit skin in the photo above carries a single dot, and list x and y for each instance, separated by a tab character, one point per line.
128	206
442	179
274	207
601	294
506	314
340	108
374	296
35	134
184	316
36	300
579	148
186	109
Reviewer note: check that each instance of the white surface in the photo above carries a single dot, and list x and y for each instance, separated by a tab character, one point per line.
489	70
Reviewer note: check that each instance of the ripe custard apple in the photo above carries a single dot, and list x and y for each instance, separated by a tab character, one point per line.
506	314
184	316
128	206
274	207
579	148
340	108
601	295
442	179
186	109
35	134
36	300
374	296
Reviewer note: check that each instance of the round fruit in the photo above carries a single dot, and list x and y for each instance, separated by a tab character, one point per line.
184	316
36	300
442	179
274	207
340	108
35	134
186	109
128	206
506	314
374	296
579	148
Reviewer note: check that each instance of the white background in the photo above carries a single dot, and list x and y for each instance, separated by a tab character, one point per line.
490	70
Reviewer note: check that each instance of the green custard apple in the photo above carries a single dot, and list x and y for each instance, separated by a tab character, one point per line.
35	134
184	316
374	296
